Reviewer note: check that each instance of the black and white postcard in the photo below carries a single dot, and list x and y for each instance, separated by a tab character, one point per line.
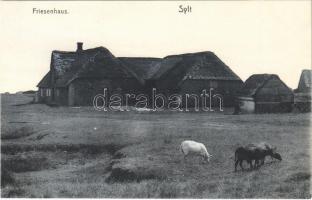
158	99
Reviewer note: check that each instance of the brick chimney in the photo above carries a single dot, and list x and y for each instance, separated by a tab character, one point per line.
79	46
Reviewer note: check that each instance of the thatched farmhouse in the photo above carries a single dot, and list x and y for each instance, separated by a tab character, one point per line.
303	92
188	74
265	93
76	77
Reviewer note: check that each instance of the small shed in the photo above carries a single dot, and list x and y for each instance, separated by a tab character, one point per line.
265	93
302	99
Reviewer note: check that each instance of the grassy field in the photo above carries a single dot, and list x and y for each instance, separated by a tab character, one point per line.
80	152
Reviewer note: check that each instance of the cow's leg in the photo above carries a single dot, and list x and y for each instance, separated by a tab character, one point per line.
250	164
236	163
259	163
256	163
241	164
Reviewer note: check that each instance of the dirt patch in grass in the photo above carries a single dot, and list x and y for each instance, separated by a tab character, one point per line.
7	177
14	193
24	163
297	177
138	162
18	133
135	169
86	148
24	158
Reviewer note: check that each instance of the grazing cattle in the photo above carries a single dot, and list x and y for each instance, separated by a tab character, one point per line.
262	149
256	152
189	147
245	153
268	150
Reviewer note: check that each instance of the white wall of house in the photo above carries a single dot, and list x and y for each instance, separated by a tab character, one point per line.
246	104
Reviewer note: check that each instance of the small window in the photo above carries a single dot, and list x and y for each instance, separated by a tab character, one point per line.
48	92
57	92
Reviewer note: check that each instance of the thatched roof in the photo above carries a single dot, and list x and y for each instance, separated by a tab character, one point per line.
202	65
100	62
143	67
257	81
97	62
45	81
305	82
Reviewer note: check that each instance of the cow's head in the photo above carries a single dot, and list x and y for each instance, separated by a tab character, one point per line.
277	156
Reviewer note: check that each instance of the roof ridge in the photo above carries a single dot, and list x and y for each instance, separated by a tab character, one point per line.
191	54
197	57
251	87
265	82
84	50
158	75
135	57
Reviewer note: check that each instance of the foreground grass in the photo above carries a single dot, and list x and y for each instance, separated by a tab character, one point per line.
82	147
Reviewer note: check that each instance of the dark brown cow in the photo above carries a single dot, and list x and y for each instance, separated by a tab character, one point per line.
252	153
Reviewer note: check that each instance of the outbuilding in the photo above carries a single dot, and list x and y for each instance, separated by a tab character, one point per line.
303	92
265	93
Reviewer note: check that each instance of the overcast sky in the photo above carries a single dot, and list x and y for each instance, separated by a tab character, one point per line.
249	36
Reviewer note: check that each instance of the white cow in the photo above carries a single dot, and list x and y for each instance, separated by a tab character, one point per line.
195	148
